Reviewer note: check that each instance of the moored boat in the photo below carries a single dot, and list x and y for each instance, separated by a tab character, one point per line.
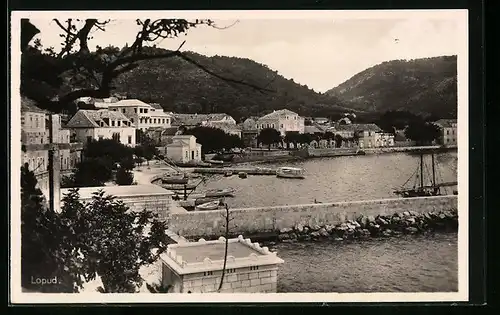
226	192
290	172
228	174
212	205
242	175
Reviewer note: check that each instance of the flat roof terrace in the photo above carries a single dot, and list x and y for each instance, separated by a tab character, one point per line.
121	191
194	257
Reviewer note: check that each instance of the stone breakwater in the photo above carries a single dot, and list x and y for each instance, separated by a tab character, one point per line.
408	222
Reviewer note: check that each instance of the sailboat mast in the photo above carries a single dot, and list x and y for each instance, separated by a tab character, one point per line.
433	172
422	170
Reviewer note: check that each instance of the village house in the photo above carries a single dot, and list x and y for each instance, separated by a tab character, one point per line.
196	120
196	267
228	128
249	131
448	131
142	115
282	120
88	125
366	135
35	139
184	149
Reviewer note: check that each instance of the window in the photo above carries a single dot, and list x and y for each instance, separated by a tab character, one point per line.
129	139
232	270
262	126
112	123
196	153
135	110
132	120
281	125
154	121
272	125
36	122
168	121
101	137
163	121
145	110
116	136
187	155
123	110
208	273
254	267
141	110
118	123
447	132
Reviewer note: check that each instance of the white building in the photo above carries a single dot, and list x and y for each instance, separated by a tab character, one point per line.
184	149
196	267
88	125
141	114
282	120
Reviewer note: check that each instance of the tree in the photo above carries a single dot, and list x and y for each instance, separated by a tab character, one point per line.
214	139
305	138
56	79
291	137
391	120
422	132
269	136
93	172
113	240
44	254
109	149
338	140
124	177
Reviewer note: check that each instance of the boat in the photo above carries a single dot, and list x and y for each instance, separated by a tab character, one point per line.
420	187
290	172
226	192
212	205
228	174
242	175
216	162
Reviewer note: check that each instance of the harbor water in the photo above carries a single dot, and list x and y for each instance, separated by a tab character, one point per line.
346	178
424	263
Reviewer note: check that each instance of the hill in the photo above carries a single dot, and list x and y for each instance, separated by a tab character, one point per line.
425	86
182	87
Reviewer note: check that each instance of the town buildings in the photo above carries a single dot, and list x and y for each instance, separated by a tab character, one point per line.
196	267
195	120
41	132
142	115
364	135
88	125
448	131
282	120
184	149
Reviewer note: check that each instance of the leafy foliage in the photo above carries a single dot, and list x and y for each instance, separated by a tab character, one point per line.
214	139
422	132
124	177
421	86
147	147
269	136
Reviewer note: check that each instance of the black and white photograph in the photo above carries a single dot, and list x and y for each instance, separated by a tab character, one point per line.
237	156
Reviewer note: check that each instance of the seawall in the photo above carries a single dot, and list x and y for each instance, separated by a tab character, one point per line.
271	219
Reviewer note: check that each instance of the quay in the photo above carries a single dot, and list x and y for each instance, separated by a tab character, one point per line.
249	171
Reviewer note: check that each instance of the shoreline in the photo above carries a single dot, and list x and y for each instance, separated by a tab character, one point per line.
363	228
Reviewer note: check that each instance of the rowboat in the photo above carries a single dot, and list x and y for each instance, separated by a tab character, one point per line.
226	192
212	205
242	175
290	172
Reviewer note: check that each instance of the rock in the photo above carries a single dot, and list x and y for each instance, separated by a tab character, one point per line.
406	214
338	239
285	230
315	235
306	229
293	236
427	216
329	228
399	214
322	232
283	237
376	226
356	224
351	226
381	221
395	220
411	220
411	230
350	231
315	227
299	227
386	233
413	213
442	216
371	219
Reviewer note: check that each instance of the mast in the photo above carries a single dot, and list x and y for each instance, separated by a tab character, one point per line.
421	170
433	171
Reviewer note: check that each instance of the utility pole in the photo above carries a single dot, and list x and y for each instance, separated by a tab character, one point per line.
54	165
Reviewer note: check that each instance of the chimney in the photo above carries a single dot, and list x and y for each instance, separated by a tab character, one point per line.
54	163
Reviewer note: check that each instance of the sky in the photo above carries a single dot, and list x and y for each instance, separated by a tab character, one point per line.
319	53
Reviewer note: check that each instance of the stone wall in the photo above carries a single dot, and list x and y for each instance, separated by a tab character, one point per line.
271	219
261	280
326	152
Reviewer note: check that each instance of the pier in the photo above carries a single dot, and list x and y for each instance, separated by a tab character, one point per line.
235	171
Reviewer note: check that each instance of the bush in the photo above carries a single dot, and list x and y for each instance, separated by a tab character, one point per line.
124	177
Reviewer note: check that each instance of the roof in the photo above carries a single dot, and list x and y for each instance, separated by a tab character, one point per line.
121	191
224	125
358	127
312	129
129	102
171	131
446	123
29	105
193	257
195	119
85	118
156	106
278	113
